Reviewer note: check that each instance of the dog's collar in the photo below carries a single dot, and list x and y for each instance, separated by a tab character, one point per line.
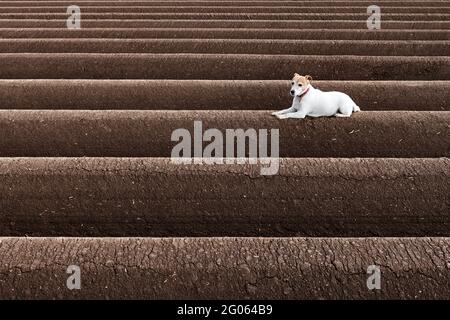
303	93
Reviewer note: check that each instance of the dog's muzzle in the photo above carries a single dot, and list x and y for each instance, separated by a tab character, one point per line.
292	93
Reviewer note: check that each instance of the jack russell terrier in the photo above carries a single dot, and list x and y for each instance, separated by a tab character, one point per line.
312	102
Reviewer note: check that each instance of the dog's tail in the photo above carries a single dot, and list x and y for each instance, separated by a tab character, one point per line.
356	108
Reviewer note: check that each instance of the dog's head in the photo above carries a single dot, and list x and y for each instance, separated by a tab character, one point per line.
299	84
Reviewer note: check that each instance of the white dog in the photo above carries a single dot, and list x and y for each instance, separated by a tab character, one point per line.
312	102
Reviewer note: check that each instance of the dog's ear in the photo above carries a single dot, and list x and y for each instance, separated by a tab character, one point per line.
308	78
296	75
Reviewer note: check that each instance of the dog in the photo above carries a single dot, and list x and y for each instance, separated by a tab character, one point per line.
312	102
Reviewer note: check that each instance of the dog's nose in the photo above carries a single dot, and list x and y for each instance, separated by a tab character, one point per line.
292	92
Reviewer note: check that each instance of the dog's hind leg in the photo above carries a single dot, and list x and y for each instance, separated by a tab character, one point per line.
344	111
341	115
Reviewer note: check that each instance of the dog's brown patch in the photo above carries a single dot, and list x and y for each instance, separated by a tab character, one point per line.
303	80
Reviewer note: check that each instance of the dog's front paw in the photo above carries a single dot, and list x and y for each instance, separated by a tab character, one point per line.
275	113
282	116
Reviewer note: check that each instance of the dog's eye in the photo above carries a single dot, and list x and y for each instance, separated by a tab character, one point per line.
299	84
292	83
